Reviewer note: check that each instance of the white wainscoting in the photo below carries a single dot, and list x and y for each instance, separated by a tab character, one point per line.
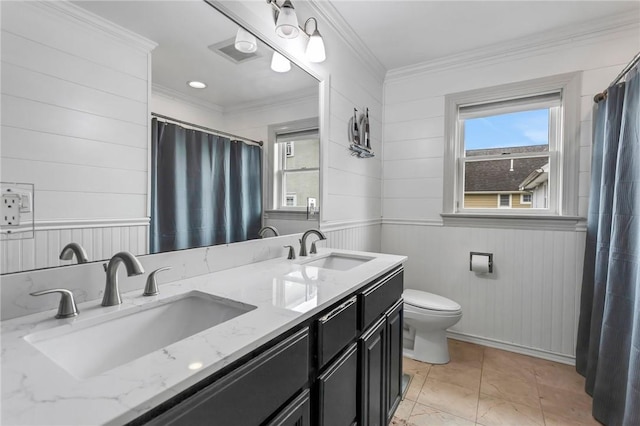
100	240
364	236
531	301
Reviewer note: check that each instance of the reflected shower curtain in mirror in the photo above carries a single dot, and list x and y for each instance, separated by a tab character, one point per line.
608	344
205	189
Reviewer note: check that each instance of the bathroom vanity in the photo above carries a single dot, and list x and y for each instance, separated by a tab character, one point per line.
302	342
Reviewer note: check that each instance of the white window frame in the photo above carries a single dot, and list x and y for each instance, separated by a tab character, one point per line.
275	201
562	215
522	201
507	206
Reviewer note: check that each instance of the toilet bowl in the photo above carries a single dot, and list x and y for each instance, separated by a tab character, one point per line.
427	317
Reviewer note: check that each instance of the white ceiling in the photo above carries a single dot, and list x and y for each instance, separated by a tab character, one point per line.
184	30
401	33
398	33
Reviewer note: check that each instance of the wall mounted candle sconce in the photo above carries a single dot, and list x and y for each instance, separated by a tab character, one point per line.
287	27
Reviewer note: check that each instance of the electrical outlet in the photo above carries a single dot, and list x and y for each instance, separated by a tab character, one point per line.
10	210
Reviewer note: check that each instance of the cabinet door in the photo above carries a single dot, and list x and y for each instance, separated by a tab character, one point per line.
250	394
337	391
297	413
394	358
373	354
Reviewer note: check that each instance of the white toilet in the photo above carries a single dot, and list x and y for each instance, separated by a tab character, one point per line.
427	316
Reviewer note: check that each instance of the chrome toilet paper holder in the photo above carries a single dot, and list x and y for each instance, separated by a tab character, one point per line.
477	253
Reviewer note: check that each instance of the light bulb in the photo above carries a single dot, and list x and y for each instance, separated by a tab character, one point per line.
245	41
279	63
287	22
315	48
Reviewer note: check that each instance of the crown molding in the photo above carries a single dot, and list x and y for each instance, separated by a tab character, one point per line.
166	92
585	32
69	11
340	25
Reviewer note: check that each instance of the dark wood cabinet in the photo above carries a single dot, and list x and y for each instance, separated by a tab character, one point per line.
342	367
338	391
250	394
394	358
373	380
297	413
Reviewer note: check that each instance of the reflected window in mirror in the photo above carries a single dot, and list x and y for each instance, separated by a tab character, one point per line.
296	169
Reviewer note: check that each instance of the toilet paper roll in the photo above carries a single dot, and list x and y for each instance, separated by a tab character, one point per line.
480	263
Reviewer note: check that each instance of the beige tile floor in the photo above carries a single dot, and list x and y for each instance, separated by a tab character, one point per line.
491	387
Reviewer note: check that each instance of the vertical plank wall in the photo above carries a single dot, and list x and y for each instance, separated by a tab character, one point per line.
74	124
531	302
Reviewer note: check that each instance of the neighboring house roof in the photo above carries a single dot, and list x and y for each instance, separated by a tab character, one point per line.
495	175
535	178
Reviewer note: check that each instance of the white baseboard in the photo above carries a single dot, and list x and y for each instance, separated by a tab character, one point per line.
511	347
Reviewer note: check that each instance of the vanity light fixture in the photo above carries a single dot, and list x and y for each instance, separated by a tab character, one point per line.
315	47
279	63
245	41
287	27
286	21
197	84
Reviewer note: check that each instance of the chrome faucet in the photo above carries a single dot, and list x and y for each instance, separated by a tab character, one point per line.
74	248
111	290
264	229
303	241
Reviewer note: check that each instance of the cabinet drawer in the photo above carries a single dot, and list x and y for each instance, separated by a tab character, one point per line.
297	413
375	300
336	330
250	394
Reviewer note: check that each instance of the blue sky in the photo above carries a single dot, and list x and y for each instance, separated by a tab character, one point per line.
515	129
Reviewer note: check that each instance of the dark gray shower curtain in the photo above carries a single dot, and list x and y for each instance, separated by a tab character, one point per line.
608	344
205	189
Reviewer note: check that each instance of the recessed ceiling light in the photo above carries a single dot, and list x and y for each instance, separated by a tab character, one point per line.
197	84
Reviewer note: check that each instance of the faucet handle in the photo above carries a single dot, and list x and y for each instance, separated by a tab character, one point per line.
292	252
313	248
67	307
151	288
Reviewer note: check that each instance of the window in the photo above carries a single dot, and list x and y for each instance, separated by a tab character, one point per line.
504	201
296	173
507	147
512	151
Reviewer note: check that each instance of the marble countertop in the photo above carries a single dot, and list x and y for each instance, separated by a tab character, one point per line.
38	391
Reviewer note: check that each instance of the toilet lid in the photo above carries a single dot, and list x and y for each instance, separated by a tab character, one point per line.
422	299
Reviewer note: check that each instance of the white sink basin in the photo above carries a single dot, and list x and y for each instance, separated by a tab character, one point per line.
85	349
339	262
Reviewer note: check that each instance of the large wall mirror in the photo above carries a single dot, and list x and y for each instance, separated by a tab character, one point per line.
78	105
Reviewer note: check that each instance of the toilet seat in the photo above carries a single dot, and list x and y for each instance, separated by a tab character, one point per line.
429	301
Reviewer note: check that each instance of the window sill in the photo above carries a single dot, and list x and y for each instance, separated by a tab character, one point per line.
503	221
288	214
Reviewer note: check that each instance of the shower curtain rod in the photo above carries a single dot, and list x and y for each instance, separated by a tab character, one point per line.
600	96
207	129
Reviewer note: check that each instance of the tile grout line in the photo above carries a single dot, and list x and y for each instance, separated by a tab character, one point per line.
480	386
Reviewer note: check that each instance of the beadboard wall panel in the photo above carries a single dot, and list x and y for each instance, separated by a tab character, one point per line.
43	251
364	237
531	301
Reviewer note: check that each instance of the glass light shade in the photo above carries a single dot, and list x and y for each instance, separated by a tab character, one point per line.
279	63
245	41
315	48
287	22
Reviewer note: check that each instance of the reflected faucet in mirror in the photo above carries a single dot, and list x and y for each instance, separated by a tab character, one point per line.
74	248
303	241
264	230
111	290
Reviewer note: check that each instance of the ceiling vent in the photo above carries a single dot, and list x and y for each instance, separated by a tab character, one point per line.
227	50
